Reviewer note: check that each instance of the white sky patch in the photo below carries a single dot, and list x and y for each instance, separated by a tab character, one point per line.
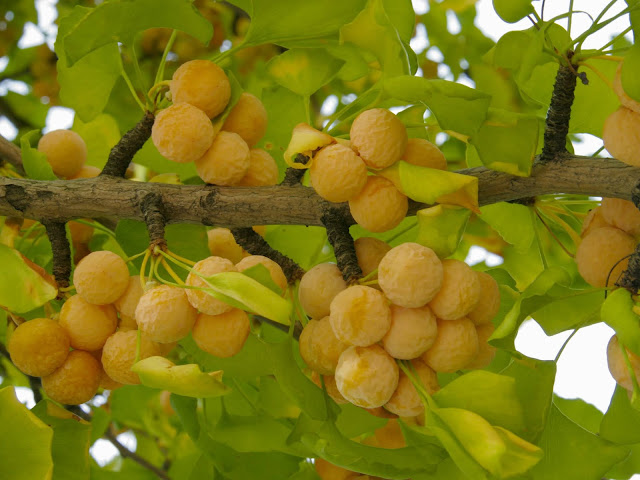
59	117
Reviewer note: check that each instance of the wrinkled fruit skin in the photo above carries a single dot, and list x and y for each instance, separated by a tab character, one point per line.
164	314
248	118
65	150
379	206
202	300
455	347
360	316
460	291
182	133
101	277
318	287
39	346
119	353
621	135
202	84
76	381
222	335
337	174
379	137
226	162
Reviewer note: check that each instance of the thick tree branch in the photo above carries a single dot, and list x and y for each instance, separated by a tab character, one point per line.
559	115
293	176
342	242
154	216
10	152
121	155
57	234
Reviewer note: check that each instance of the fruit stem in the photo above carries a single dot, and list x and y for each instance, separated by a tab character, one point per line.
342	242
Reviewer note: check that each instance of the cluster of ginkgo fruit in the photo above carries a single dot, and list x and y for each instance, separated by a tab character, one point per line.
435	314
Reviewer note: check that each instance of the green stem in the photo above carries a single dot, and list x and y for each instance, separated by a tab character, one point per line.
570	17
566	342
97	226
614	39
138	72
402	232
538	240
132	89
222	55
167	49
599	26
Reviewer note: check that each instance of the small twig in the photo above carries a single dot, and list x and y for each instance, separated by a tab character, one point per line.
121	155
61	249
297	329
35	384
342	241
293	176
10	153
155	217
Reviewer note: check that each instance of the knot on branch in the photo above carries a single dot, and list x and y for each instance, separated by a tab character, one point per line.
630	278
154	216
293	176
342	242
123	152
61	249
559	114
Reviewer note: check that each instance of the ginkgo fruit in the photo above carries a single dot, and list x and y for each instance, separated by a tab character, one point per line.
412	332
127	303
320	348
330	386
76	381
423	153
460	291
337	174
65	150
379	137
182	133
88	325
80	233
262	172
455	347
593	220
226	161
222	335
405	401
329	471
248	118
222	243
369	252
200	299
318	287
621	136
379	206
119	355
164	314
410	275
621	214
275	270
87	171
618	366
202	84
39	346
101	277
486	351
489	302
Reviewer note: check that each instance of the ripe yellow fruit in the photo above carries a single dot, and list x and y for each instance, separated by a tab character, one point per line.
65	150
226	161
329	471
127	323
277	275
101	277
617	365
165	314
412	332
182	133
621	214
337	174
119	354
423	153
222	244
486	352
379	137
202	84
330	385
39	346
248	118
106	382
598	253
319	346
379	206
370	251
625	99
263	170
460	291
202	300
88	325
593	220
87	171
318	287
455	347
222	335
621	135
127	302
80	233
410	275
360	315
76	381
390	435
367	376
489	302
405	401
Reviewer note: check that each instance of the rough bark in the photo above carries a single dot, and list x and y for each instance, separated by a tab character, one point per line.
559	115
121	155
342	243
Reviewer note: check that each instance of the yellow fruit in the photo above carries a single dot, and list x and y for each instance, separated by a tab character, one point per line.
367	376
182	133
330	386
164	314
423	153
598	253
360	315
87	171
412	332
119	354
263	170
222	244
489	303
202	84
617	365
80	233
226	162
370	251
625	99
277	275
318	288
379	137
88	325
39	346
65	150
593	220
127	302
460	291
410	275
222	335
405	401
329	471
337	174
76	381
106	382
621	214
390	436
127	323
379	206
319	346
101	277
486	352
621	135
248	118
455	347
202	300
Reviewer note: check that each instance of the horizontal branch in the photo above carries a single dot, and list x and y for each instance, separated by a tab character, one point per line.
114	198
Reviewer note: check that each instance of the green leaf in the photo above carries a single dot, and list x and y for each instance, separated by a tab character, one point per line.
630	72
576	309
302	244
21	288
261	274
441	228
100	134
513	223
621	423
512	11
304	70
508	51
28	108
26	447
100	420
149	157
580	412
617	312
34	162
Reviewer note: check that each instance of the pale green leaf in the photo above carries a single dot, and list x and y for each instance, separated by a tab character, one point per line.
618	314
34	162
512	11
441	228
304	70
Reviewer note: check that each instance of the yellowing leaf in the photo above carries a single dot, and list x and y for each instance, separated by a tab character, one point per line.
305	140
304	70
441	227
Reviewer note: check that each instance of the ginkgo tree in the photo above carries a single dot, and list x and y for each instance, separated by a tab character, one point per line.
171	270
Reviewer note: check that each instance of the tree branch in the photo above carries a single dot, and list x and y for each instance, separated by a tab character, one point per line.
57	234
293	176
123	152
342	242
154	216
559	114
10	152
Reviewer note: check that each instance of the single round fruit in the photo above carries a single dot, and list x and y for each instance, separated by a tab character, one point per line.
101	277
486	352
127	303
76	381
601	256
360	315
379	206
222	335
263	170
318	287
410	275
182	133
330	386
367	376
337	174
621	214
202	300
39	346
379	137
460	291
423	153
412	332
226	161
65	150
165	314
275	270
625	99
489	303
87	171
621	135
119	354
80	233
405	401
247	118
319	346
202	84
88	325
370	251
455	347
593	220
618	366
223	244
